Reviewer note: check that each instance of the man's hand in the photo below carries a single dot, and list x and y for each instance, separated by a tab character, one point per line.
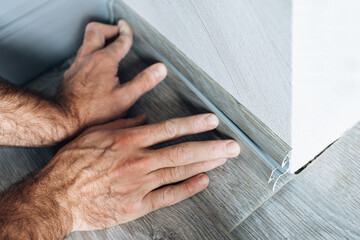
90	92
109	175
91	86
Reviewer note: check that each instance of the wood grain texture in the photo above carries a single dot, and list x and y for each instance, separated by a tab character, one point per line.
322	202
236	189
234	192
242	186
244	45
146	36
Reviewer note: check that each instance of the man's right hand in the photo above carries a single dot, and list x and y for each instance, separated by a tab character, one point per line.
110	174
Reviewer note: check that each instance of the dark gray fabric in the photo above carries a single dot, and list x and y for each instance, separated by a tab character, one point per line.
37	34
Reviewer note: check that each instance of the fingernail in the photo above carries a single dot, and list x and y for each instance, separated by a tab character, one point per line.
203	180
232	148
212	120
160	71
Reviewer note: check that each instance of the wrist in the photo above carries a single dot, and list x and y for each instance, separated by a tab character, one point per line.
30	210
50	197
68	117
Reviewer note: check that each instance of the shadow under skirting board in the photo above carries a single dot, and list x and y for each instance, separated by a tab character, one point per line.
243	185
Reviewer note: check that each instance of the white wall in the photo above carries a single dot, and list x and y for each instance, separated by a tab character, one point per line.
326	74
249	47
243	45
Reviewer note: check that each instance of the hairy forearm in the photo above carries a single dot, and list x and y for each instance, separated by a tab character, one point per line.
30	120
28	211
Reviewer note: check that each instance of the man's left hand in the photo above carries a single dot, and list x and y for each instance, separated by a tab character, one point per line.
91	88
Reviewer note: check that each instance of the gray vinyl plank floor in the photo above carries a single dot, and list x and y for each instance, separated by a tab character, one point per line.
235	189
320	202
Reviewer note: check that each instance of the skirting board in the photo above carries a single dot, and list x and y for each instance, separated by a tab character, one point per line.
271	158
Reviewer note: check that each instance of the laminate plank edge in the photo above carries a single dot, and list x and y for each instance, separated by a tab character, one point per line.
246	121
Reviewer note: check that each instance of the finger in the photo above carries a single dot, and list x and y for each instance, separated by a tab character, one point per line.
142	83
122	44
95	37
133	122
171	195
121	123
150	135
192	152
125	123
166	176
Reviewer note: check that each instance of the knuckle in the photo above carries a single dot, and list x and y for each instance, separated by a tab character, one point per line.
197	124
91	35
170	128
93	38
147	79
128	97
132	207
162	177
133	165
99	57
168	196
183	153
127	138
214	149
178	173
91	26
168	159
188	188
108	65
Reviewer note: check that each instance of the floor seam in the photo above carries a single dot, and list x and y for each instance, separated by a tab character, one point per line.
253	211
213	219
